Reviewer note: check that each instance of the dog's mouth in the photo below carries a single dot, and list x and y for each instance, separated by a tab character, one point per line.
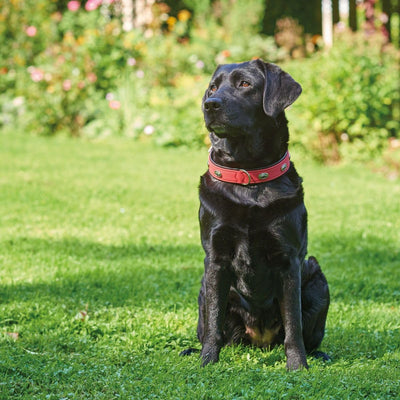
219	130
222	130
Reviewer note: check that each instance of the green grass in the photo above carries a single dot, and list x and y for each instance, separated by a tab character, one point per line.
110	227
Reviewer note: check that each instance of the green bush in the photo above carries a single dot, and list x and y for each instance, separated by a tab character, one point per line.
349	107
169	116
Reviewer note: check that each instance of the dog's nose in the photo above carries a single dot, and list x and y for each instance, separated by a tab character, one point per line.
212	104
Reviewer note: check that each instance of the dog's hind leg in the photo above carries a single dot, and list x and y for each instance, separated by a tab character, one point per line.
315	304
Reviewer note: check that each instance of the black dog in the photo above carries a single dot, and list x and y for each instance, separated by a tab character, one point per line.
257	288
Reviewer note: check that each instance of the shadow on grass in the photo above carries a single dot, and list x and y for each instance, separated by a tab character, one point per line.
71	270
167	278
356	270
359	268
359	341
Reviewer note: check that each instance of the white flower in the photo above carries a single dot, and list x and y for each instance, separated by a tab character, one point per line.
200	64
148	130
18	101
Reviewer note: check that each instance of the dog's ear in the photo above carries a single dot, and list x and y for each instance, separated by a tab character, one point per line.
280	89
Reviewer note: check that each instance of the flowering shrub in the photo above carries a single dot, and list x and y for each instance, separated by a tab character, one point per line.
63	66
63	60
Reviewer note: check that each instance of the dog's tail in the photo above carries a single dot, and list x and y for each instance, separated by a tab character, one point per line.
189	352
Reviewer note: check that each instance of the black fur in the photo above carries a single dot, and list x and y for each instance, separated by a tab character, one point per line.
258	288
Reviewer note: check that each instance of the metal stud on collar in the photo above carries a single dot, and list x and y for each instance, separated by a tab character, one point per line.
263	175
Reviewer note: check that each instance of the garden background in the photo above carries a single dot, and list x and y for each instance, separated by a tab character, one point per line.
100	259
101	68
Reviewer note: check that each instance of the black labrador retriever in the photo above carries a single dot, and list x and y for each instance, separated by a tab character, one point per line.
258	288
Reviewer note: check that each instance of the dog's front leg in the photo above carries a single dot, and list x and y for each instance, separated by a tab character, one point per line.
217	284
290	306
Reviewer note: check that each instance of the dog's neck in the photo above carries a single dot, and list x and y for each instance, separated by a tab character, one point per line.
251	151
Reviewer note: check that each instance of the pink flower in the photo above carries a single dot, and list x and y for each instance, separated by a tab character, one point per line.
114	104
131	61
37	74
31	31
67	84
92	77
92	5
73	6
384	18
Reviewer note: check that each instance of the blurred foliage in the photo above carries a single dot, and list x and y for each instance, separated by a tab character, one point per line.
68	67
350	105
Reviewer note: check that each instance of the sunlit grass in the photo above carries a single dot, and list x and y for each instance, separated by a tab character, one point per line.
101	264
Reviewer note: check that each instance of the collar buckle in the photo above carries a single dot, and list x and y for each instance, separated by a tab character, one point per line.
248	177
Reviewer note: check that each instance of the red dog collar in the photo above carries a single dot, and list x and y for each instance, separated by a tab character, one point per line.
251	176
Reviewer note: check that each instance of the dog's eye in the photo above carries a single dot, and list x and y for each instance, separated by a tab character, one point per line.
244	84
213	88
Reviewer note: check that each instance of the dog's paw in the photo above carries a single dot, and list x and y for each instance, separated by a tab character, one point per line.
188	352
296	362
294	365
209	355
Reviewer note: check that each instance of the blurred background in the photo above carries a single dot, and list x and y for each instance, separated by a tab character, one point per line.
139	68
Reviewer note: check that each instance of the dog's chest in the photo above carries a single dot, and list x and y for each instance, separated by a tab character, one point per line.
251	245
249	231
255	258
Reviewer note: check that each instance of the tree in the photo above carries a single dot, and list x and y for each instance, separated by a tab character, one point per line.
136	13
335	11
308	14
353	15
387	11
143	13
327	28
127	14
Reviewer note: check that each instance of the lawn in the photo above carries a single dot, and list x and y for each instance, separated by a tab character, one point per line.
101	265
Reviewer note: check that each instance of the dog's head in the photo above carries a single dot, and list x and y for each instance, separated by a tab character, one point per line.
243	97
